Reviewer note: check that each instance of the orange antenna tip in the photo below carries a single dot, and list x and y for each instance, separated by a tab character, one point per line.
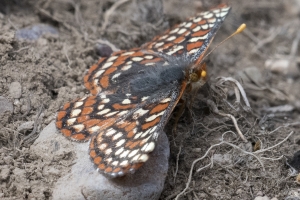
241	28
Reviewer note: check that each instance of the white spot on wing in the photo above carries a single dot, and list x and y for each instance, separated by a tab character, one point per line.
124	154
119	151
171	38
105	100
151	63
175	50
106	65
124	163
103	111
98	73
143	158
195	39
174	31
204	26
139	112
132	153
100	107
78	127
115	76
126	101
137	135
117	136
210	15
135	158
112	58
102	146
148	57
137	59
188	24
75	112
115	163
122	113
158	44
128	53
150	147
126	67
197	19
193	51
120	143
196	29
71	121
94	129
145	98
108	151
111	114
181	31
78	103
166	100
110	132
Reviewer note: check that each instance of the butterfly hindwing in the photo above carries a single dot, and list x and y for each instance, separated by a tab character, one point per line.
125	145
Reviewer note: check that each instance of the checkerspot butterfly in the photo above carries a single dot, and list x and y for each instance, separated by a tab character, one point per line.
134	92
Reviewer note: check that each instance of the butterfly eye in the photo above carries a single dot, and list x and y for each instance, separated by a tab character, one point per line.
194	77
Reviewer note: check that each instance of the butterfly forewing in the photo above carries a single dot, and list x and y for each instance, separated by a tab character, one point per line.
192	36
134	93
105	75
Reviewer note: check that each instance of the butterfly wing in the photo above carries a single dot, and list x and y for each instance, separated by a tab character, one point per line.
123	128
105	75
130	102
192	36
86	116
125	145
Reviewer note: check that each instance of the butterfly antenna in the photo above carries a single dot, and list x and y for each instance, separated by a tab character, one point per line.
239	30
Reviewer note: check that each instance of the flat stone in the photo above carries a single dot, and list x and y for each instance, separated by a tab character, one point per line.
82	181
15	90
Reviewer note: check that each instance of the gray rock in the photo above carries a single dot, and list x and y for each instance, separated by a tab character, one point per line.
26	126
15	90
34	32
5	105
82	181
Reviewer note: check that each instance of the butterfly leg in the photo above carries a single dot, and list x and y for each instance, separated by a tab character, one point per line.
178	115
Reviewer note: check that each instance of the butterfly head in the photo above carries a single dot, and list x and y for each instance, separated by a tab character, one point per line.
198	74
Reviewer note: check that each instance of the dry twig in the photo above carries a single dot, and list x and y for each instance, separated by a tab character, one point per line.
109	12
234	146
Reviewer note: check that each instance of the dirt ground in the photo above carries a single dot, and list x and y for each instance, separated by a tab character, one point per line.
38	75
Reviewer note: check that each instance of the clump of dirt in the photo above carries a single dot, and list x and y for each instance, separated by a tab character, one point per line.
39	76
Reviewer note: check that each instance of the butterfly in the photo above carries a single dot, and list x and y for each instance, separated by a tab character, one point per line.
134	92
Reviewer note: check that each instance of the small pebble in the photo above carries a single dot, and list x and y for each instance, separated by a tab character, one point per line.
5	105
5	171
26	126
15	90
225	159
103	50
